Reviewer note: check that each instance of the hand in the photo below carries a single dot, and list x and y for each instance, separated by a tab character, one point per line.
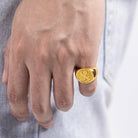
48	40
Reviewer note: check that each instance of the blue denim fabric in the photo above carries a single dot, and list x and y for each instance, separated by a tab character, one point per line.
119	17
88	116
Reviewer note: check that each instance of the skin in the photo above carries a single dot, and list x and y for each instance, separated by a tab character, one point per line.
49	39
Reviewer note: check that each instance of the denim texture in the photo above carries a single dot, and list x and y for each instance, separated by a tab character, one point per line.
88	116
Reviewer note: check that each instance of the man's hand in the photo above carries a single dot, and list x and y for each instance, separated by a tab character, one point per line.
49	39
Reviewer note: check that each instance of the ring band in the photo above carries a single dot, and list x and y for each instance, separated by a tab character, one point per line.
86	75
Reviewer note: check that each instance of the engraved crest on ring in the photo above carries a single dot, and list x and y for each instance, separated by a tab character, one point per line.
85	75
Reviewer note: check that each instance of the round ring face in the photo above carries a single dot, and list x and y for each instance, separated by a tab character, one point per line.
85	75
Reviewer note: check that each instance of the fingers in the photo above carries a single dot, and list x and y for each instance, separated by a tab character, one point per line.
18	90
63	87
40	88
89	88
6	64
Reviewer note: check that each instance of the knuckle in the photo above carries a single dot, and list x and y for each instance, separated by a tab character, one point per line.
37	109
64	105
14	97
92	89
88	91
93	86
28	28
84	52
68	46
41	57
18	51
62	55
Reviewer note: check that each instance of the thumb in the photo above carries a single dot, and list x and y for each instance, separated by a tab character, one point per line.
6	64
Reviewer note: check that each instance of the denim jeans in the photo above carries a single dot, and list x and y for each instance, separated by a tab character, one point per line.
88	116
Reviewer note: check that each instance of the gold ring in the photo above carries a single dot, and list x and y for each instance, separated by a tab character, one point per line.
86	75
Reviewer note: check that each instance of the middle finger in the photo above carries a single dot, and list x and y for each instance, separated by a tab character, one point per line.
40	88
